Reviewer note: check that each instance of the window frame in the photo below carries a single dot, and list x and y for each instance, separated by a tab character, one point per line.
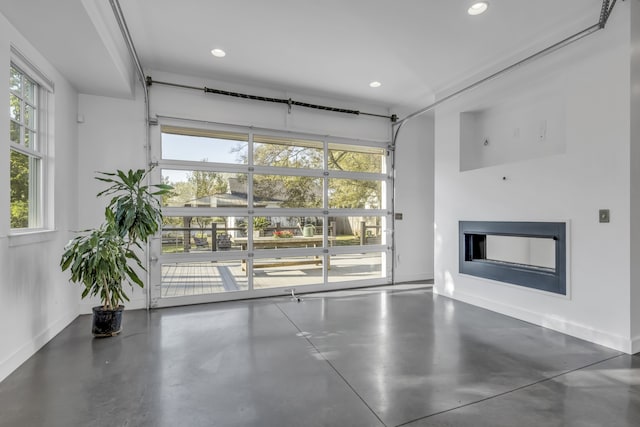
41	185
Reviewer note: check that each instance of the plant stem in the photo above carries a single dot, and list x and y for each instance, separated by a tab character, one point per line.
108	305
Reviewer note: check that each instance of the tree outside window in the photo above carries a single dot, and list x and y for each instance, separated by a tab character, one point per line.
25	151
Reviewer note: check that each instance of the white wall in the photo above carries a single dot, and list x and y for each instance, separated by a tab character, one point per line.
36	300
535	128
414	199
634	157
112	136
592	173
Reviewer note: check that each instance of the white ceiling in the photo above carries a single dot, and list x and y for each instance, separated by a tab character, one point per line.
416	48
80	38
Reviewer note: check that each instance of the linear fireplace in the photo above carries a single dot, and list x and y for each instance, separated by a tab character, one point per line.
531	254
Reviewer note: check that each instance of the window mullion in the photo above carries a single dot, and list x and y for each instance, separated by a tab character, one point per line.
250	215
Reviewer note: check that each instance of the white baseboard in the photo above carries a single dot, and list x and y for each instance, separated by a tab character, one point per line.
400	278
635	345
565	326
28	349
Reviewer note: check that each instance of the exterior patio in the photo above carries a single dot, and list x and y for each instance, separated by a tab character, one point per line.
201	278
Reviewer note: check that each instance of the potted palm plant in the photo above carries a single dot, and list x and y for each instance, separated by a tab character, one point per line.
103	259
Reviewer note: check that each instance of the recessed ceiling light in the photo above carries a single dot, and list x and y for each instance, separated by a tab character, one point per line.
219	53
375	84
478	8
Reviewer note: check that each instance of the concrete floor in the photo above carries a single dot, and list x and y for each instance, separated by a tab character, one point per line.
361	358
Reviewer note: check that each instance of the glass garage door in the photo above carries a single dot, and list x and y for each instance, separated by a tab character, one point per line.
256	213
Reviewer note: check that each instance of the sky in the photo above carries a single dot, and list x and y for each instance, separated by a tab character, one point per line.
192	148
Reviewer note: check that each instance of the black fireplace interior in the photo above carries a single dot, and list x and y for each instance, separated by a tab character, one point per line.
531	254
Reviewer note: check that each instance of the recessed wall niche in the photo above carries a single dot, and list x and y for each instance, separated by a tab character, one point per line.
525	128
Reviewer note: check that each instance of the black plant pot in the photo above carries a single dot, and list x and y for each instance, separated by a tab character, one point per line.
107	323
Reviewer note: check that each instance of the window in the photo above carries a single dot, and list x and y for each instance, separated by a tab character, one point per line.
27	150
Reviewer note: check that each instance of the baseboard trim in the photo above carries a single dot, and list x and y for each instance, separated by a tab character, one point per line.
28	349
635	344
402	278
564	326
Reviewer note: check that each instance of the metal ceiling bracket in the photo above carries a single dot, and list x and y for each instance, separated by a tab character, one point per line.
607	7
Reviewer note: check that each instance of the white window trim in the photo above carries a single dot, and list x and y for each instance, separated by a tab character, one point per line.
19	236
31	69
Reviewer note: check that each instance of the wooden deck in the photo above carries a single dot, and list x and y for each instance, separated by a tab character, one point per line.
201	278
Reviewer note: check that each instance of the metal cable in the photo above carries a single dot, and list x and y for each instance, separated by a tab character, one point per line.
604	12
613	3
289	102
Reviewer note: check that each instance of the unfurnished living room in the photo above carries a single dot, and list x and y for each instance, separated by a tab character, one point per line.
320	213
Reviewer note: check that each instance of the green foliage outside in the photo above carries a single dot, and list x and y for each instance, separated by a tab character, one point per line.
287	156
354	194
199	185
207	183
19	114
19	189
261	223
291	191
354	161
283	190
350	193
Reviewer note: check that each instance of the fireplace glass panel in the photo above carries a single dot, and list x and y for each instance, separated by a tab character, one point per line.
531	251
